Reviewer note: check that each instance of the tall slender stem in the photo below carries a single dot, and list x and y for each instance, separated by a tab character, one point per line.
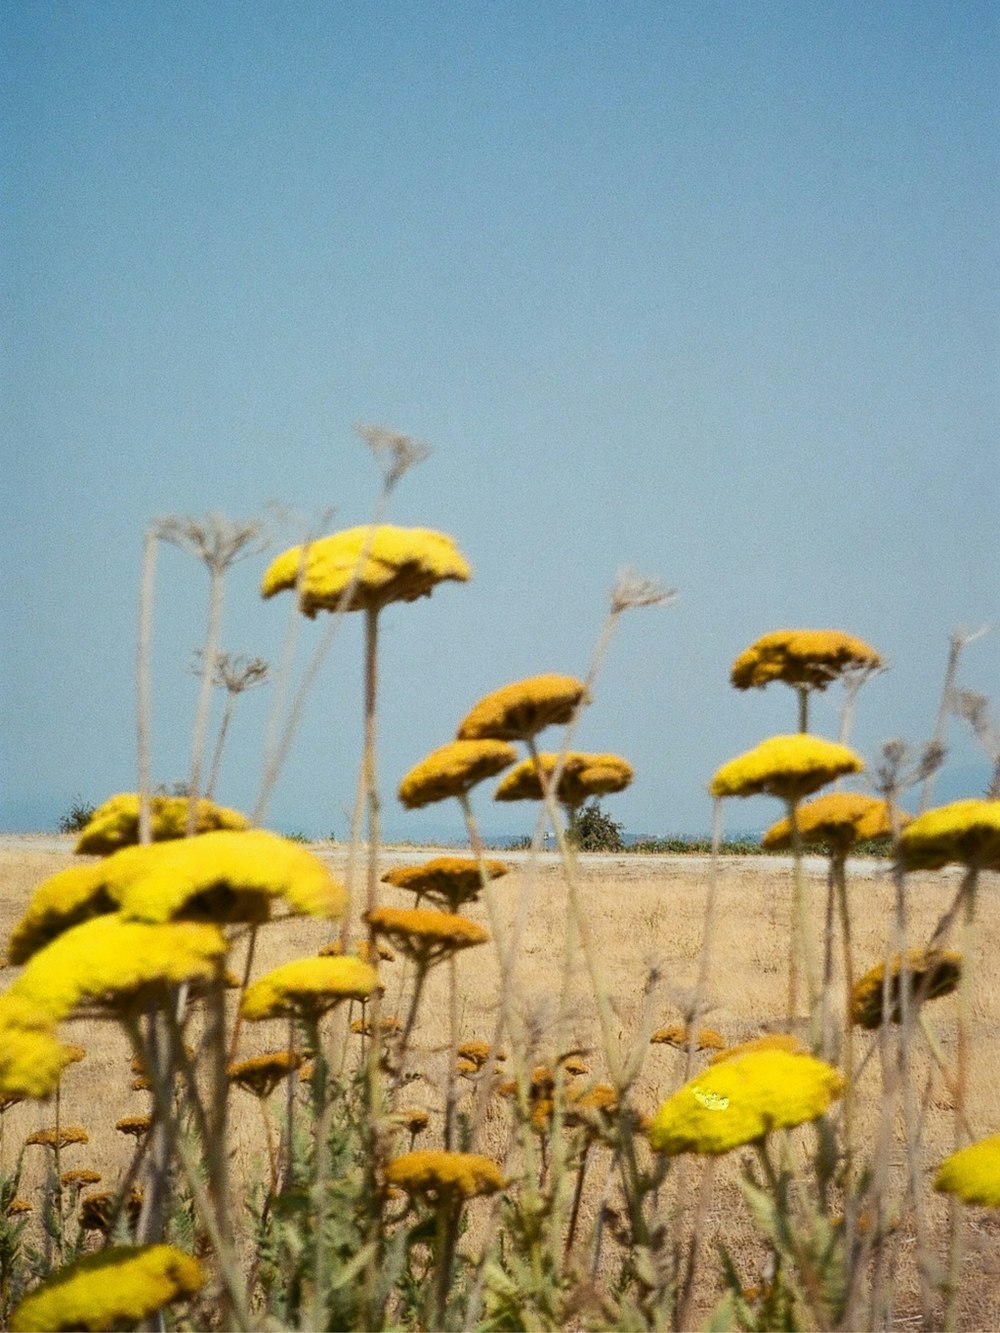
212	636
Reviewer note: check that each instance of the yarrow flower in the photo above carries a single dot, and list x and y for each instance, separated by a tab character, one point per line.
966	832
134	1125
932	973
401	565
59	1136
98	1211
768	1041
453	770
32	1059
426	936
445	1176
808	657
448	881
60	902
583	776
308	987
839	819
524	708
115	824
261	1074
739	1101
678	1035
116	1287
973	1173
789	767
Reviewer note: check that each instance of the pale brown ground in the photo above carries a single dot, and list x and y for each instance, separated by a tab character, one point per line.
647	920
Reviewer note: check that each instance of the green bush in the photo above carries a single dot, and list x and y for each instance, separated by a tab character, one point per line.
77	817
592	829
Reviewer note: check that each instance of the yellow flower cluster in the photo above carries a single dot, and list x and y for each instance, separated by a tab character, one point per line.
453	770
59	1136
448	881
933	972
524	708
739	1101
31	1057
789	767
583	776
60	902
114	1288
810	657
680	1036
966	832
134	1125
973	1173
115	824
401	565
769	1041
424	935
261	1074
839	819
308	987
445	1176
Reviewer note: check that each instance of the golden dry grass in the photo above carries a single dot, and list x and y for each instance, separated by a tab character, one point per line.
647	921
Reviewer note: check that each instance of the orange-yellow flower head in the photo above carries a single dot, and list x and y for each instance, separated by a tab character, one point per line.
115	1288
678	1035
261	1074
931	973
966	832
518	711
739	1101
424	935
768	1041
789	767
448	881
445	1176
391	565
801	657
64	900
31	1058
115	824
308	987
837	819
583	776
973	1173
453	770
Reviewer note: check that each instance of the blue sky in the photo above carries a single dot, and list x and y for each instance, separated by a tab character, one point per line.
705	288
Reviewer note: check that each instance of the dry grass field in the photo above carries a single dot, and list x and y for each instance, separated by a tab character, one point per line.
647	919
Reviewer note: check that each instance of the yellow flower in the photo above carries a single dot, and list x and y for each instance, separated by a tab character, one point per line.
136	1125
739	1101
402	564
964	831
113	961
225	876
18	1206
524	708
448	881
80	1177
413	1118
839	819
308	987
444	1176
97	1211
116	1287
60	902
786	766
423	935
59	1136
477	1053
261	1074
939	970
583	776
680	1036
769	1041
453	770
31	1058
115	824
973	1173
810	657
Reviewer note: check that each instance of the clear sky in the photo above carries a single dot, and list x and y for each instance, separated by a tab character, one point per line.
708	287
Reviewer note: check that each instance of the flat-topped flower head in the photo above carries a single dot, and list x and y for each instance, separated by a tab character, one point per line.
448	881
964	832
32	1059
739	1101
426	935
789	767
58	1136
60	902
445	1176
98	1212
801	657
115	824
476	1053
115	1288
261	1074
973	1173
80	1177
932	973
583	776
518	711
122	963
838	819
308	987
401	565
222	877
679	1036
136	1126
768	1041
453	770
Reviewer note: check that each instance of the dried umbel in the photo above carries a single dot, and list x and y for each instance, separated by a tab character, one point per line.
788	767
447	881
445	1176
964	832
679	1036
388	565
801	657
261	1074
931	974
59	1137
135	1126
521	710
426	936
838	820
453	770
973	1174
308	987
583	776
115	824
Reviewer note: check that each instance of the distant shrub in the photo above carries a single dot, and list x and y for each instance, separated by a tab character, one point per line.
77	817
593	830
